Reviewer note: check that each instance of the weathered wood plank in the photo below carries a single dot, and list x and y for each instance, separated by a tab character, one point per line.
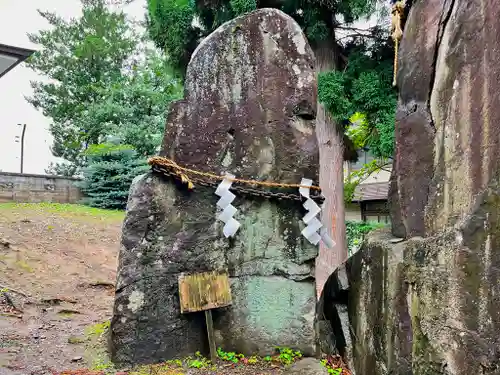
204	291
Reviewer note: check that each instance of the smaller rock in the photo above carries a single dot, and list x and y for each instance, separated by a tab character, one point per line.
396	240
76	359
307	366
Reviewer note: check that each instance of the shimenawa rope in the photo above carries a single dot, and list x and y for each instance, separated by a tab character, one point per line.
182	174
397	33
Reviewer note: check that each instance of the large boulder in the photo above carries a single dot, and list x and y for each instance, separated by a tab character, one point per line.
447	119
465	106
430	305
426	305
414	157
248	109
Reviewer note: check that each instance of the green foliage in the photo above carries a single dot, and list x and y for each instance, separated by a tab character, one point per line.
287	356
358	130
109	174
355	232
242	6
96	84
331	368
171	26
284	356
81	57
198	361
364	90
228	356
134	106
97	329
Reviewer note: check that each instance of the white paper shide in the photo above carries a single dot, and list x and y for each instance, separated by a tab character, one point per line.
313	225
228	210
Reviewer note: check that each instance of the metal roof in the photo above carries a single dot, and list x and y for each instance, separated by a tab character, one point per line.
12	56
371	192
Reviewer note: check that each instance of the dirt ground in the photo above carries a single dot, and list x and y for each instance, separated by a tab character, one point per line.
58	265
57	274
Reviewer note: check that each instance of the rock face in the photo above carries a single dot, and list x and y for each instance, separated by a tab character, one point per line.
248	109
430	304
447	119
249	100
427	305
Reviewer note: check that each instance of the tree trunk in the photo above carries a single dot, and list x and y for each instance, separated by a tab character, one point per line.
331	175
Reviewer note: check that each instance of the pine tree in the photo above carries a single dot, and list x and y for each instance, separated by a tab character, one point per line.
110	171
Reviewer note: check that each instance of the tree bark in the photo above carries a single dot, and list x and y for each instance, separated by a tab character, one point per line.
331	175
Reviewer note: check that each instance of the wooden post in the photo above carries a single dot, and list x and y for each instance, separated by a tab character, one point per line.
211	335
204	292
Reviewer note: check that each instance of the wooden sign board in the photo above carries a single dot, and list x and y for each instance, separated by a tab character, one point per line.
204	291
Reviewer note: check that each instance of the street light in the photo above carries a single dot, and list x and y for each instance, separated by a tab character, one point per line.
12	56
21	140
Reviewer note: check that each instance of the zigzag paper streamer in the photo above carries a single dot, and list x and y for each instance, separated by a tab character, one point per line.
313	225
228	210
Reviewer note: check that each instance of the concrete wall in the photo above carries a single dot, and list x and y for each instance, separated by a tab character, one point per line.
33	188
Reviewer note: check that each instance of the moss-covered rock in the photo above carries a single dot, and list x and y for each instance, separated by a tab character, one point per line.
426	306
248	109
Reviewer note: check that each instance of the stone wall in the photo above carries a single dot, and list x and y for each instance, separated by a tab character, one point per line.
34	188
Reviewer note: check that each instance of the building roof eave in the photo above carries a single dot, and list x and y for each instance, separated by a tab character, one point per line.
20	54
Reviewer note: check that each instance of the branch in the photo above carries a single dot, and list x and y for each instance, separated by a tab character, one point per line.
358	32
353	35
357	29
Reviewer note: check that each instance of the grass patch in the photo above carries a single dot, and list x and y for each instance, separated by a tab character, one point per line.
76	340
24	266
96	353
97	329
64	209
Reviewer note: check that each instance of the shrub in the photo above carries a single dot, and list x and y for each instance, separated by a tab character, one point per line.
109	173
356	231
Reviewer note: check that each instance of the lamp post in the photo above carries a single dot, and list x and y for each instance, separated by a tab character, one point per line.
22	144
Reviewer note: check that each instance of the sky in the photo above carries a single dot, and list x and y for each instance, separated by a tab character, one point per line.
17	18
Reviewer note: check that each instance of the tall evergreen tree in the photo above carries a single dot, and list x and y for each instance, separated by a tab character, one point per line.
81	58
134	106
171	26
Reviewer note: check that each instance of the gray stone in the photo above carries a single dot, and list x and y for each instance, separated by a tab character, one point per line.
429	305
248	109
307	366
250	102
